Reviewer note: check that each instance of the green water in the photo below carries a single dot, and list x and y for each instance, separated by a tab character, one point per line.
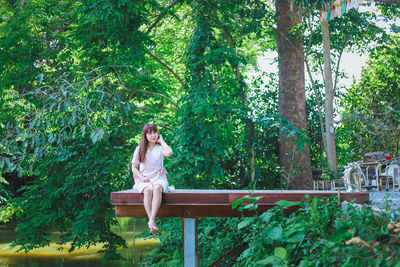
55	255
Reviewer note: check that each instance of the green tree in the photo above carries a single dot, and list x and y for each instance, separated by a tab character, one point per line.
354	31
70	76
370	121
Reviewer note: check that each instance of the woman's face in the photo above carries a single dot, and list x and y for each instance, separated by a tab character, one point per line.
152	137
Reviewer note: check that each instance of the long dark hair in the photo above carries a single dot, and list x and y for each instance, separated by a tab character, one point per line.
144	143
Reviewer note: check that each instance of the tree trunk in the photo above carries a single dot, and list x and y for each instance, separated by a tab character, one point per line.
249	128
250	148
329	95
296	164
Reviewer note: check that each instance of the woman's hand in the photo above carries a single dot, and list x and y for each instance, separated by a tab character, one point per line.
160	139
167	151
136	172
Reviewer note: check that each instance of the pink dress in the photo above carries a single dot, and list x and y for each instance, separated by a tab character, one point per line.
152	168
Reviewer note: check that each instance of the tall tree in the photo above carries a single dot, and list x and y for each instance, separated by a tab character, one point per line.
329	95
296	164
353	29
70	74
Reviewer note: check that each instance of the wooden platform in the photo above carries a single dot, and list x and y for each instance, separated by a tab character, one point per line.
193	203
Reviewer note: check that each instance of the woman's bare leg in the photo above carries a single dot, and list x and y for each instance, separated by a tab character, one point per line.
157	197
147	198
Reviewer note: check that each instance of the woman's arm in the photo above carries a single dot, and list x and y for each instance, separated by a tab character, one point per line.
167	151
136	172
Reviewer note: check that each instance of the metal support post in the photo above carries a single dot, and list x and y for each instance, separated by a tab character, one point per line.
190	242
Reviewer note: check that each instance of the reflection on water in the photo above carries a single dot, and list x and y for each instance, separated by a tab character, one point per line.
56	255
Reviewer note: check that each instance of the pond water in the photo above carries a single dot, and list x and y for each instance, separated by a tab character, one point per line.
56	255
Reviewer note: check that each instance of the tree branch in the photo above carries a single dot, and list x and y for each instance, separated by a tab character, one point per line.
321	120
167	67
152	93
314	87
159	17
224	28
144	91
321	69
338	63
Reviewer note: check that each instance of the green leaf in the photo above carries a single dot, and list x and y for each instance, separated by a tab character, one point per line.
314	204
300	142
254	199
340	234
101	134
266	216
237	202
296	237
286	203
7	160
280	252
97	135
245	223
275	233
252	206
19	171
274	260
247	252
83	130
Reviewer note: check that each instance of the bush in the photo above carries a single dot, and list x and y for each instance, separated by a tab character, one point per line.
320	233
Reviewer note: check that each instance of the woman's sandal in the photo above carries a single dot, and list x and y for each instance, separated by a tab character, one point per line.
152	228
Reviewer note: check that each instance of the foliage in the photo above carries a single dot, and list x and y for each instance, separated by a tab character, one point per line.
371	108
316	235
4	194
220	232
212	116
66	120
320	232
212	111
202	108
354	31
79	79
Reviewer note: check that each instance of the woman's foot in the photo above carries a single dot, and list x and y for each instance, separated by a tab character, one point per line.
152	226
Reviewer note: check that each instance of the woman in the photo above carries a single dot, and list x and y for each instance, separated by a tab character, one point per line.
151	179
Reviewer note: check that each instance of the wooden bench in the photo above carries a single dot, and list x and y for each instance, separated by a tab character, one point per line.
191	204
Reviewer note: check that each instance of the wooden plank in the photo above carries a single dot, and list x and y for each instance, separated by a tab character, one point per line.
193	211
196	198
187	211
214	203
173	197
138	211
215	197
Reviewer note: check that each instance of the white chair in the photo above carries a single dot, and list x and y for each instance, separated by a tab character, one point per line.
390	176
396	178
